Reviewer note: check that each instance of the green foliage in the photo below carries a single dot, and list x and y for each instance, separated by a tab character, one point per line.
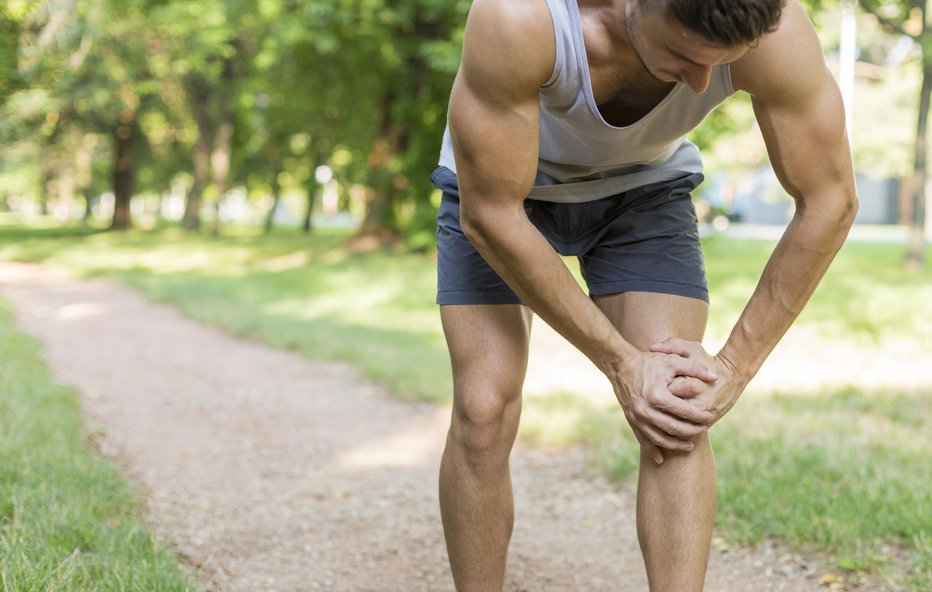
9	45
358	85
348	83
67	522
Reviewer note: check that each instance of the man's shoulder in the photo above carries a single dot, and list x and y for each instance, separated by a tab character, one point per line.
514	16
787	61
511	41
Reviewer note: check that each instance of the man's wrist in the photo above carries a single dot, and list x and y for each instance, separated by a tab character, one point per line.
616	357
741	366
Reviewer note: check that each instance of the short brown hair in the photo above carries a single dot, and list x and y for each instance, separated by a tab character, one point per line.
727	22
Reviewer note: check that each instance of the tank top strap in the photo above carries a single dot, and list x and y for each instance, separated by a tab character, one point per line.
563	41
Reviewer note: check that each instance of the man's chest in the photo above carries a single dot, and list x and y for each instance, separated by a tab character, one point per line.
624	97
621	86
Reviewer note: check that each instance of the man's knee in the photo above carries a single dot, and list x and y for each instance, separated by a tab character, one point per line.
485	422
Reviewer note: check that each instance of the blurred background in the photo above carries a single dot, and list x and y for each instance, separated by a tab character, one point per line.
304	113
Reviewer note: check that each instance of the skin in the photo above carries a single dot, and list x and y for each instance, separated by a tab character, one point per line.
669	388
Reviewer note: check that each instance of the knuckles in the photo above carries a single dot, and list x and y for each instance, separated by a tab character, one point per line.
639	410
654	398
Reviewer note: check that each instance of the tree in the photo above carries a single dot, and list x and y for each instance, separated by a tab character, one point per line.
295	91
90	60
12	17
388	67
202	47
911	18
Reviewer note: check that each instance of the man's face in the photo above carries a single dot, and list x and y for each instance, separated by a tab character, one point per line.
673	53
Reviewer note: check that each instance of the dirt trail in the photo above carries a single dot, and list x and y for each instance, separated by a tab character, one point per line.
268	471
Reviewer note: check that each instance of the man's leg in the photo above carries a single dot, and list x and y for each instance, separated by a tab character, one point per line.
676	500
489	350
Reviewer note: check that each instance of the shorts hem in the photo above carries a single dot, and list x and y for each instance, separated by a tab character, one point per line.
672	288
477	297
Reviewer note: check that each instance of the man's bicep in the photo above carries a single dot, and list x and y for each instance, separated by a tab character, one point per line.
495	144
508	53
806	139
798	106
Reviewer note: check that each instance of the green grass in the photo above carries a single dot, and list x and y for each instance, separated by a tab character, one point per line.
865	295
67	521
840	472
847	473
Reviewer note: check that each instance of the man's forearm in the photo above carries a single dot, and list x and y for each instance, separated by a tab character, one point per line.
517	251
794	270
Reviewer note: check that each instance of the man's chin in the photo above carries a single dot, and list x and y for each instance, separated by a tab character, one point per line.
661	76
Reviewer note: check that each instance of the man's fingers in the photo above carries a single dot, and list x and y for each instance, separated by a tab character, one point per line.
662	440
652	438
687	387
686	367
669	424
673	345
683	430
647	446
664	400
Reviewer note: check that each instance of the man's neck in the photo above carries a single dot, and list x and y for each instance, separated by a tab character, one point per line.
610	18
611	14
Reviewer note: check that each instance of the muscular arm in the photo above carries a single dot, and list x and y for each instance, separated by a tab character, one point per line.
802	119
494	122
801	116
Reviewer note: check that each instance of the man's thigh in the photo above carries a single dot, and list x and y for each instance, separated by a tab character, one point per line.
488	346
645	318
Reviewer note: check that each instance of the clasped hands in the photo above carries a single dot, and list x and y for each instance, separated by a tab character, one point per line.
674	393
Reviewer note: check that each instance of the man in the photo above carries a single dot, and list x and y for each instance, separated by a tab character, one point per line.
565	133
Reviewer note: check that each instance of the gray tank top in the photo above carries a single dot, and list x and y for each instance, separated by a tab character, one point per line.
584	158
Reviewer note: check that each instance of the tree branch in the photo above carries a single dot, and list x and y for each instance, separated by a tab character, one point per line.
870	8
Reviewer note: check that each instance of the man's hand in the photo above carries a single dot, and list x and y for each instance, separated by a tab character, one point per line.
715	398
660	418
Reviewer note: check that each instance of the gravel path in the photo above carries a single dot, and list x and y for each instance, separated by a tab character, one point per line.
268	471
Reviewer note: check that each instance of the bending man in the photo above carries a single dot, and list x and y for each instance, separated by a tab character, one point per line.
566	136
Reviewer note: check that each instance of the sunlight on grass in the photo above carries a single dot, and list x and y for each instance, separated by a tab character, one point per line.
844	470
67	522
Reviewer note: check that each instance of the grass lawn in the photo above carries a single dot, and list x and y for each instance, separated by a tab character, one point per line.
67	521
844	472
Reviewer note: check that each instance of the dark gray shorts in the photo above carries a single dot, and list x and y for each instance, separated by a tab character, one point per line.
643	240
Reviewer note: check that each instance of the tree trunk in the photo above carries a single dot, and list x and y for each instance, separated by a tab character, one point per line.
915	254
124	170
223	143
84	165
45	189
200	93
88	194
379	225
391	143
277	198
220	165
312	188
